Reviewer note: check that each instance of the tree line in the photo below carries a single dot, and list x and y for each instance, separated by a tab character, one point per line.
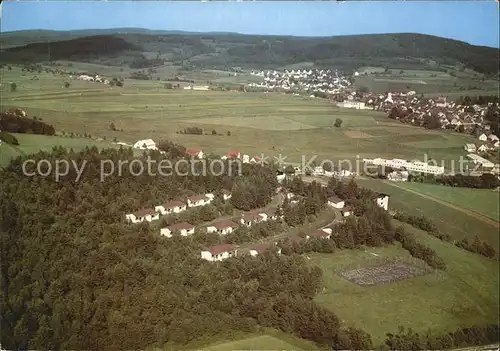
76	276
484	181
476	245
406	339
15	123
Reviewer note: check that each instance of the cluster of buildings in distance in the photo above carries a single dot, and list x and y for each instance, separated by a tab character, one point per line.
311	81
411	166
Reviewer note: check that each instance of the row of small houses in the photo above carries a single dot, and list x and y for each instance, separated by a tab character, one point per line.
150	214
222	252
226	226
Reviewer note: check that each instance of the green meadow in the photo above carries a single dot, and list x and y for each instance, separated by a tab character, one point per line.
283	124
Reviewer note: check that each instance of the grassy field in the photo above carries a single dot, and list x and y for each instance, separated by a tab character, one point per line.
459	224
428	82
29	144
271	340
478	200
466	294
283	124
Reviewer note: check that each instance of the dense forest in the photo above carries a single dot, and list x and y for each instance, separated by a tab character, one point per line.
225	50
75	275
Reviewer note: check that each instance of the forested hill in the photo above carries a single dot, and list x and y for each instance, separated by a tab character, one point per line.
206	50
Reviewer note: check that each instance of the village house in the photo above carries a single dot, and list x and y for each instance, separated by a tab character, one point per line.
184	229
261	248
483	148
194	153
219	252
246	159
146	214
222	227
198	200
336	202
382	201
346	211
248	219
492	137
483	137
147	144
232	155
270	214
170	207
470	147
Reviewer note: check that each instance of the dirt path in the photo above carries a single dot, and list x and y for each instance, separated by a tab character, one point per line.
471	213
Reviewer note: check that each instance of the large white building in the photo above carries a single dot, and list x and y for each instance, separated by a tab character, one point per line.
411	166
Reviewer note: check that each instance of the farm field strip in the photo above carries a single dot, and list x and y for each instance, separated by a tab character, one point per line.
452	220
474	214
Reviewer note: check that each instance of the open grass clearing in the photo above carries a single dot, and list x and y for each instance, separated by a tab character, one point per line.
483	201
464	295
273	341
356	134
261	122
283	124
447	217
31	144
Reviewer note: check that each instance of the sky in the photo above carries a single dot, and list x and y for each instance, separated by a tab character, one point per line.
475	22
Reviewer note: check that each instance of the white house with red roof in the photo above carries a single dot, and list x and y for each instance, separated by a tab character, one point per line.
194	153
184	229
219	252
146	214
250	218
222	227
199	200
171	207
232	155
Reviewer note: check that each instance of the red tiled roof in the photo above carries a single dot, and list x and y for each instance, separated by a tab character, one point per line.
335	199
196	198
250	216
224	225
233	154
173	204
215	250
144	212
193	152
179	226
261	247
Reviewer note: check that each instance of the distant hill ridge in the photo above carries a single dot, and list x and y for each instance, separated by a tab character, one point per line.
121	46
